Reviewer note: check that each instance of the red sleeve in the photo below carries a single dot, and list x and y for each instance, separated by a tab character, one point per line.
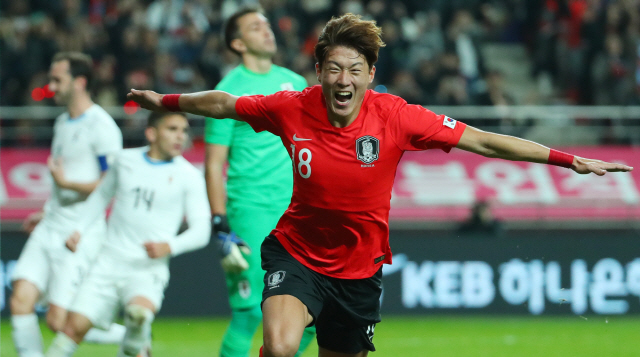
262	112
416	128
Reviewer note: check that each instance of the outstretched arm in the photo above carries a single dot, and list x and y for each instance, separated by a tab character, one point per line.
516	149
214	103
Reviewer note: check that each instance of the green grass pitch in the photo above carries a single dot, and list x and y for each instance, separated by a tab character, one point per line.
415	336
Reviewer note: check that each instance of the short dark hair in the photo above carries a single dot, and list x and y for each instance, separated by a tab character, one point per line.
232	30
350	31
80	65
156	117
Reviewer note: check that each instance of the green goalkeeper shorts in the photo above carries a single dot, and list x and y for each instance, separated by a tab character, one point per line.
252	224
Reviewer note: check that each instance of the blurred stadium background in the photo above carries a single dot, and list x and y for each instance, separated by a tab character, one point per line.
491	258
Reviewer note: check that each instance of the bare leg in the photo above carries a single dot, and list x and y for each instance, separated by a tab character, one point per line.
284	319
77	326
56	317
67	341
24	297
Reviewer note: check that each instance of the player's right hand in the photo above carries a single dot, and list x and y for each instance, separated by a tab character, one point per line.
147	99
32	221
232	247
72	241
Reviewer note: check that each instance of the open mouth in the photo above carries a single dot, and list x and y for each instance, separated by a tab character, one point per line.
343	98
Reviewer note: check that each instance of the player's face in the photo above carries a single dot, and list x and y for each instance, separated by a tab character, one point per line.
256	35
169	138
61	82
344	77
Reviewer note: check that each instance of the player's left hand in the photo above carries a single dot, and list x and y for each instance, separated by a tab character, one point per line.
157	249
57	171
582	165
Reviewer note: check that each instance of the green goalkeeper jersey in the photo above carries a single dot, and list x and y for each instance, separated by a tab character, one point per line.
260	171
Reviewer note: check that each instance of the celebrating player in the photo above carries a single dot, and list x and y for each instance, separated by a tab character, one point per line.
153	188
260	180
324	258
83	139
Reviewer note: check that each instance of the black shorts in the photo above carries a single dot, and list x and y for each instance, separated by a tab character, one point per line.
345	311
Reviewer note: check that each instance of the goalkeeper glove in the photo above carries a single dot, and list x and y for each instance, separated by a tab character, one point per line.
231	246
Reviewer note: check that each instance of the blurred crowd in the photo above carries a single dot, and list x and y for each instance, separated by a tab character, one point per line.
586	51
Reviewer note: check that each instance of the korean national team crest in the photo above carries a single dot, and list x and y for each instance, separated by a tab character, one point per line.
367	149
276	278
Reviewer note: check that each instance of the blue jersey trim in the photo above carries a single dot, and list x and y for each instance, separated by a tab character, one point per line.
154	161
102	159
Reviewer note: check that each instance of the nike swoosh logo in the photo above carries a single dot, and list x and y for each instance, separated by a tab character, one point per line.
295	138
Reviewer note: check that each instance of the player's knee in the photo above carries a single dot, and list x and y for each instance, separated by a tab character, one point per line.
278	346
279	350
20	305
22	301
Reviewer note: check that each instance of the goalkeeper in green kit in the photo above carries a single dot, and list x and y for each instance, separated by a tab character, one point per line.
259	178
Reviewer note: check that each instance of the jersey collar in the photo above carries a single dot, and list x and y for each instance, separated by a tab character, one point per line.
154	161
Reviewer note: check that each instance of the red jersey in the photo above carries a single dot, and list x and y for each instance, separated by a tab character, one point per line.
338	221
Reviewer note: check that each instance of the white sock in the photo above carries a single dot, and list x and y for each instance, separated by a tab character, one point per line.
26	335
113	335
62	346
138	321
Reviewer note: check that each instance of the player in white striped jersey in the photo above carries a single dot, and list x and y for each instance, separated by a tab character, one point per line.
153	189
84	138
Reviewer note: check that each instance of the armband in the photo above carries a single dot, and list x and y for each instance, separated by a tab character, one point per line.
170	102
560	158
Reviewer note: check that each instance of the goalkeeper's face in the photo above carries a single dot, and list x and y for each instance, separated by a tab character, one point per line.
256	36
168	138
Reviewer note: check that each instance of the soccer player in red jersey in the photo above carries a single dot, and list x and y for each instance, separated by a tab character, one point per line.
323	260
